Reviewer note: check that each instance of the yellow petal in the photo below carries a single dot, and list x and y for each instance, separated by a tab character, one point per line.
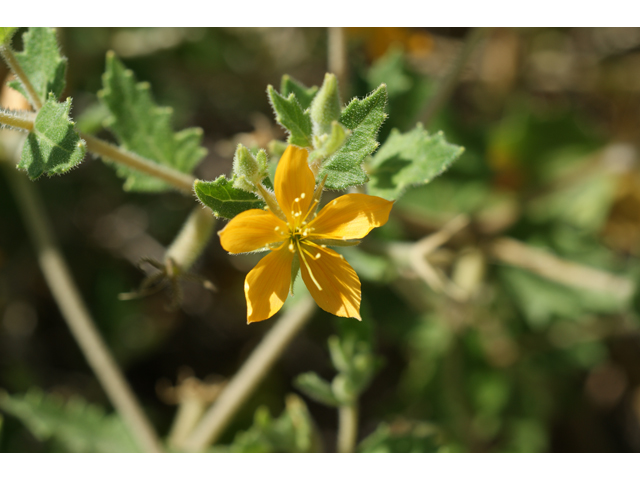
333	284
252	230
267	285
350	216
294	180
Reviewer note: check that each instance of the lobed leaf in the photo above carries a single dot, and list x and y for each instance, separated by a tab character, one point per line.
224	199
363	118
303	94
143	127
290	114
53	146
79	426
42	63
408	159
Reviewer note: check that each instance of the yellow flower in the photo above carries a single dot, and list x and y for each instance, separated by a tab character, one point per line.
298	237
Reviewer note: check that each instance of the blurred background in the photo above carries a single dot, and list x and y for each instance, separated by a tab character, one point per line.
540	353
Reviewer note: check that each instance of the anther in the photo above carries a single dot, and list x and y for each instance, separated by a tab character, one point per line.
277	228
317	256
302	195
297	199
291	247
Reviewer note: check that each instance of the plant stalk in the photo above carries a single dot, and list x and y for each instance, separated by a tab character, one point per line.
248	378
13	63
347	428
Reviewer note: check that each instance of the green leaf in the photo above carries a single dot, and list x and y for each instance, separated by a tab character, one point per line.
404	438
326	107
7	32
291	116
143	127
78	425
53	146
42	63
292	432
408	159
303	94
363	118
224	199
316	388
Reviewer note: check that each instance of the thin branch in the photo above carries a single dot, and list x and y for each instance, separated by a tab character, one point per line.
249	376
13	63
75	313
559	270
16	121
448	83
347	428
337	57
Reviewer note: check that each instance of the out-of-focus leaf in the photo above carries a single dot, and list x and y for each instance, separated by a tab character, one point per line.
316	388
144	128
6	33
42	63
402	437
53	146
224	199
409	159
76	424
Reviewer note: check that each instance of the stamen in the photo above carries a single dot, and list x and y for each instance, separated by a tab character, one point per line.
302	195
306	264
277	228
291	247
317	256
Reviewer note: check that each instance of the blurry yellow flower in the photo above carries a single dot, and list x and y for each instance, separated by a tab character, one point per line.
298	237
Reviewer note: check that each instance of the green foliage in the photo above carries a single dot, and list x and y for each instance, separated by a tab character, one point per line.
326	107
144	128
53	146
6	33
292	432
291	115
317	388
224	199
42	63
247	169
406	438
363	118
77	425
409	159
303	94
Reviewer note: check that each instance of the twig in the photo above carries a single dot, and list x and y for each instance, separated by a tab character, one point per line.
559	270
337	57
249	376
13	63
446	86
15	121
75	313
347	428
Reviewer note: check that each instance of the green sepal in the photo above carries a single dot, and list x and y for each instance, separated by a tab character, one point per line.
53	146
143	127
303	94
316	388
326	107
224	199
77	425
291	115
7	32
247	169
42	63
407	159
363	118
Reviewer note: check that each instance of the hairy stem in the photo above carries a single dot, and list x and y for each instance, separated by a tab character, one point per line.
450	80
347	428
66	295
11	60
249	376
15	121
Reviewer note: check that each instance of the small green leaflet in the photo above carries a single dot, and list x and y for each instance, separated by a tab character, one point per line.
317	388
407	159
7	32
363	118
76	424
290	114
42	63
53	146
144	128
223	199
303	94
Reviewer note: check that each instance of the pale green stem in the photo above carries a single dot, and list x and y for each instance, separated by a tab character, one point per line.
446	86
13	63
75	313
15	121
347	428
249	376
337	57
193	237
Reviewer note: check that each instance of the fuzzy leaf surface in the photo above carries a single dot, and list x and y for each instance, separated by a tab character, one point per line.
42	63
143	127
53	146
79	426
303	94
408	159
6	33
290	114
224	199
363	118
